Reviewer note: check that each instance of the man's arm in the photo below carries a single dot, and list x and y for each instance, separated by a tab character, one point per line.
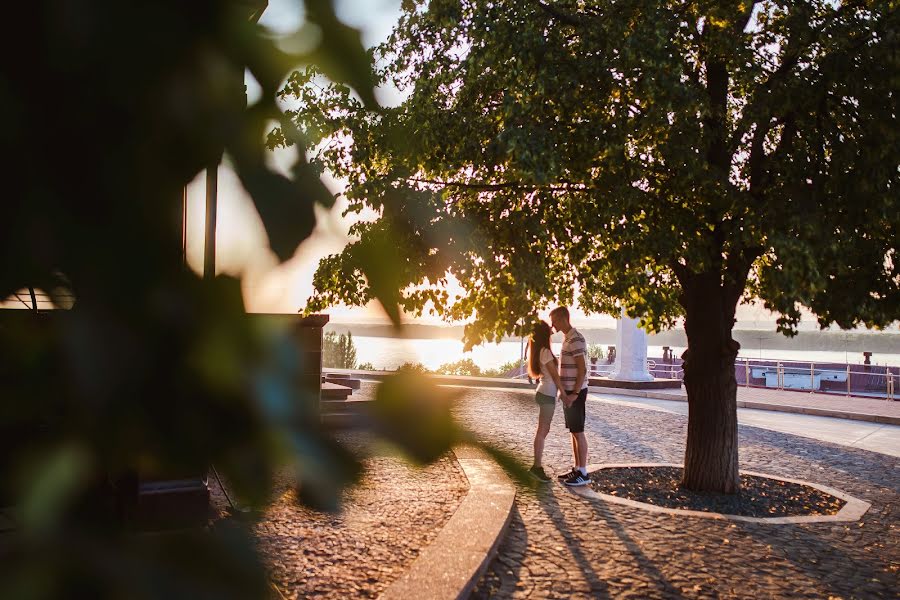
581	370
581	366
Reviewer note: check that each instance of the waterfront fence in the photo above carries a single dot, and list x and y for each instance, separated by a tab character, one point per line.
869	381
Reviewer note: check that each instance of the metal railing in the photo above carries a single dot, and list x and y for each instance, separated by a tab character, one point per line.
865	381
871	381
664	369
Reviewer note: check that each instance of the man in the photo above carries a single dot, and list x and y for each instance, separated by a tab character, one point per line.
573	375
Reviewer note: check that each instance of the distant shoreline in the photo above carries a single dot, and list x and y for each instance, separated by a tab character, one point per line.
829	341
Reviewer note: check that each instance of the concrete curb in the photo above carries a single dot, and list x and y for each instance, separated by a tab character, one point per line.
788	408
820	412
853	510
492	382
679	396
455	561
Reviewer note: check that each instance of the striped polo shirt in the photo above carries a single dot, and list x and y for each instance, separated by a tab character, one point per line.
573	345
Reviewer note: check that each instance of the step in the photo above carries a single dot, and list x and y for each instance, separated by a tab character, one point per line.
333	391
343	406
342	420
343	380
659	383
172	504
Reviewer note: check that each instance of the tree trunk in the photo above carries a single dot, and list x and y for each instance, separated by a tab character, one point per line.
711	455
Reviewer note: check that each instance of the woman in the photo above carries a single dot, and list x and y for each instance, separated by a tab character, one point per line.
542	366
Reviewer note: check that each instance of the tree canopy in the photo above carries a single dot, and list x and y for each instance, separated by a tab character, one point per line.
338	351
624	152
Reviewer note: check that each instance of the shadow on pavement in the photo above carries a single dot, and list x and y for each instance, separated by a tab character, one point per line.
838	573
622	438
503	572
550	505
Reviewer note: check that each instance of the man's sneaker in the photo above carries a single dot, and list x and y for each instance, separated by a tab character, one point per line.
567	474
539	474
577	479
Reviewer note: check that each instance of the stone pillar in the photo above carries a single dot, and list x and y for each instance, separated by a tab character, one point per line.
631	351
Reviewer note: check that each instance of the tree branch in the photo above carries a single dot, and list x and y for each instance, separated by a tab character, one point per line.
567	18
737	269
745	18
794	49
682	272
496	187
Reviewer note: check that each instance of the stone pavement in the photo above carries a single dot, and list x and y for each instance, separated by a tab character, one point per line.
847	404
386	521
560	545
876	437
859	407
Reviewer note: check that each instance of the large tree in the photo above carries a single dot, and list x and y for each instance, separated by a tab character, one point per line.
672	157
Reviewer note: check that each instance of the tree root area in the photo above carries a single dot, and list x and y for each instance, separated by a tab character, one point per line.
758	497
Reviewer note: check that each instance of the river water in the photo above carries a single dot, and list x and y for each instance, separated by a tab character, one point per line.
390	353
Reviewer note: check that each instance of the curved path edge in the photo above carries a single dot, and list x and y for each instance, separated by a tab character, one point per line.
454	562
853	509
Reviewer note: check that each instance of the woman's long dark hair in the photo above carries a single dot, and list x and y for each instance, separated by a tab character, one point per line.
540	338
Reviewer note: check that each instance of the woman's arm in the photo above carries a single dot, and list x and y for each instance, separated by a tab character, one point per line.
554	375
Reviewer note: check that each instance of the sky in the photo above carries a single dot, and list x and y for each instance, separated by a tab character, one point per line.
241	241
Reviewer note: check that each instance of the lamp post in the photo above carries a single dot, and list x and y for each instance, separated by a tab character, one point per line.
255	9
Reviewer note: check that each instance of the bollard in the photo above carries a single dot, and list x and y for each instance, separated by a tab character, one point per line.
812	377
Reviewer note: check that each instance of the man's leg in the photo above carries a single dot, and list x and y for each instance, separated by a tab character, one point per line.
580	447
575	448
579	440
569	420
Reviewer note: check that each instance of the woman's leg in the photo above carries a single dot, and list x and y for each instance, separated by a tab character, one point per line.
545	416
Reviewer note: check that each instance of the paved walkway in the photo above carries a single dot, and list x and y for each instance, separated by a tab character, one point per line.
853	404
874	407
875	437
562	546
387	520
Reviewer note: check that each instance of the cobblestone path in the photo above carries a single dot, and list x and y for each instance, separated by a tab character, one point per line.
394	513
562	546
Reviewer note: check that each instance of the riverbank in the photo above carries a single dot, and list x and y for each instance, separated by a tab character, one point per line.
852	342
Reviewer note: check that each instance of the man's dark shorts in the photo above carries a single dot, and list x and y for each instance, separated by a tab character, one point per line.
575	413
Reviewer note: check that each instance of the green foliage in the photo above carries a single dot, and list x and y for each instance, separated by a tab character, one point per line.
338	351
366	366
467	366
503	369
118	106
464	366
595	351
409	367
674	158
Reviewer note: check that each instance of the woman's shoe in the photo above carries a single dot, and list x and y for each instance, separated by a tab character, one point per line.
539	474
